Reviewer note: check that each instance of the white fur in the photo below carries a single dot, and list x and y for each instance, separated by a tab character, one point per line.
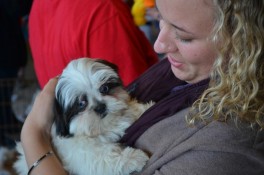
93	148
6	156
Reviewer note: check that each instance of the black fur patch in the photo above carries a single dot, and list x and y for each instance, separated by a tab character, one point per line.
63	118
107	63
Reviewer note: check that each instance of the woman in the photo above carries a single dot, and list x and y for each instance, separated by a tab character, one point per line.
208	116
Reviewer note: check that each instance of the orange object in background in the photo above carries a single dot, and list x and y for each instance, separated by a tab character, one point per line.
149	3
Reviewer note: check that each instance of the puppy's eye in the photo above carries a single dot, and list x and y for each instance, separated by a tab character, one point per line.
82	104
107	87
104	89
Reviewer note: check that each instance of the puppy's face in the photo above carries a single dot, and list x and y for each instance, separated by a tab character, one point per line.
89	98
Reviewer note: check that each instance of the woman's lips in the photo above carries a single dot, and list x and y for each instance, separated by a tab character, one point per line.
174	63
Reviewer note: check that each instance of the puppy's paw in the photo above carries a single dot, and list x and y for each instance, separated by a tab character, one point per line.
135	160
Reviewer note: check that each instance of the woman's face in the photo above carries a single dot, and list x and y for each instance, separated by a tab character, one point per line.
185	28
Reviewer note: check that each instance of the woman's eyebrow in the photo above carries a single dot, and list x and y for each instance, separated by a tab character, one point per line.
181	29
175	26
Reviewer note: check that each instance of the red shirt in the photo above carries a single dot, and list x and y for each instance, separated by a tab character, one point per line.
62	30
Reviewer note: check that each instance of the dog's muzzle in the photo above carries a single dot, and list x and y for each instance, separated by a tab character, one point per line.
101	110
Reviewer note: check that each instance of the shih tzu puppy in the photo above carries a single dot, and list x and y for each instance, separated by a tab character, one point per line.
93	112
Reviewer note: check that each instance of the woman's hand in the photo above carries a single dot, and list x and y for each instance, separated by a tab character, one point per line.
35	134
41	115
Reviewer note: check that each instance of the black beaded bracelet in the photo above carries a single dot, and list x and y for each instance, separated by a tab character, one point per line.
38	161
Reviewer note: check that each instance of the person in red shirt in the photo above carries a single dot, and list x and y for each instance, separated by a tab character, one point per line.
62	30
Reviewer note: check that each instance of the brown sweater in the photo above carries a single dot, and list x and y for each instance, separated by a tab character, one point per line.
214	149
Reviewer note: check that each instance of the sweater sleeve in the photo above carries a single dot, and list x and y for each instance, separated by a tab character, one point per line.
196	162
216	148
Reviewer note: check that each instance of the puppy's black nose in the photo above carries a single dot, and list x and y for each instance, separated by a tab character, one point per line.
100	109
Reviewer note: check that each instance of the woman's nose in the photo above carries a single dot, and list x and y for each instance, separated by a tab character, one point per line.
164	43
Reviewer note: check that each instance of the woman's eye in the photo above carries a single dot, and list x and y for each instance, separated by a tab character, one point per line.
184	40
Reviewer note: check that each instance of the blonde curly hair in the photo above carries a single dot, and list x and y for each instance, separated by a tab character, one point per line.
236	89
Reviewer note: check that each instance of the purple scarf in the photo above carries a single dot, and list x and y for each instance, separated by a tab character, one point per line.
160	85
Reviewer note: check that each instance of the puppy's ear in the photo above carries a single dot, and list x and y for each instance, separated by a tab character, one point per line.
112	65
62	126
